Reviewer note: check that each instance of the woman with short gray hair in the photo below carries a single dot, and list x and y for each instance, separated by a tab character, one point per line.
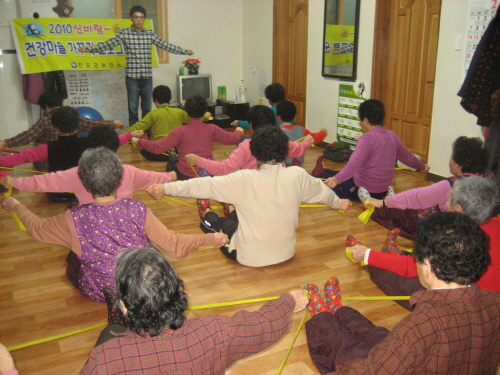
97	232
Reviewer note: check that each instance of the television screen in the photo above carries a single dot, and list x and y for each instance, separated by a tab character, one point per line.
188	86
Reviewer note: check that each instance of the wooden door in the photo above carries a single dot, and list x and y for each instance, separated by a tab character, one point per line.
405	51
290	51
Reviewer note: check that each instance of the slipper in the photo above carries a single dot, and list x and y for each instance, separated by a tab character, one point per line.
363	195
317	303
332	294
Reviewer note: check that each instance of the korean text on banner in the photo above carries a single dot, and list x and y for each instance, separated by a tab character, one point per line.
49	44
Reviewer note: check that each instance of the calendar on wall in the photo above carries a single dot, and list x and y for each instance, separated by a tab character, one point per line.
480	13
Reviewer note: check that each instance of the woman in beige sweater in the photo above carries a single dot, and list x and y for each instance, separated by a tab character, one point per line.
267	202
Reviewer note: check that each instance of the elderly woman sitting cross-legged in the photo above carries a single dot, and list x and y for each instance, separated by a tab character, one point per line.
97	232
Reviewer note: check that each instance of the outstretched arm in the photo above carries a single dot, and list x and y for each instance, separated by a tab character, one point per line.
178	245
30	155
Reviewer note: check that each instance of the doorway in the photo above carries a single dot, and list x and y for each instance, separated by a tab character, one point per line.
290	51
404	66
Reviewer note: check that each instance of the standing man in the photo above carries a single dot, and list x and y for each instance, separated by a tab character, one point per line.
137	41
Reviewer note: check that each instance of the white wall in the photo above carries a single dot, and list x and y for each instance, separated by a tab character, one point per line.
212	29
257	44
449	119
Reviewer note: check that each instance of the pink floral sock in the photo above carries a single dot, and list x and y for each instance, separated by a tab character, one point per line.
317	303
352	241
332	294
390	246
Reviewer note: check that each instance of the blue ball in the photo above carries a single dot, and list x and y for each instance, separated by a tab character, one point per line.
89	113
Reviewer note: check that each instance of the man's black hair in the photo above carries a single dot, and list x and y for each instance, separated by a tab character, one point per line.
275	93
456	247
66	119
468	152
50	99
137	9
196	106
286	110
151	291
269	144
260	115
103	136
162	94
373	110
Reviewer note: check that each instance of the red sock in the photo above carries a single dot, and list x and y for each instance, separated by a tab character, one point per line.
332	294
317	303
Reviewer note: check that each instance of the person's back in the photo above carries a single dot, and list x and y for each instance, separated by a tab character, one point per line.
103	231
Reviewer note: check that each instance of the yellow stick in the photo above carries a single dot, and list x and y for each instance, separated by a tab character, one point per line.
53	338
175	200
23	170
292	344
313	205
201	307
398	168
18	221
194	170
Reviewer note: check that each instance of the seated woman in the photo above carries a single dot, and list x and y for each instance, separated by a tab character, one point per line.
266	200
403	210
132	179
195	137
396	275
97	232
372	164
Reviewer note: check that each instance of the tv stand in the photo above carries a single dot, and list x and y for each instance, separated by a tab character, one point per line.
235	111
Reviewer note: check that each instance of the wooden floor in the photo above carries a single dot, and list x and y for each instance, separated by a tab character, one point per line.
36	300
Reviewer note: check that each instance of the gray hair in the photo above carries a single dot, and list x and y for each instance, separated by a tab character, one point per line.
100	170
476	195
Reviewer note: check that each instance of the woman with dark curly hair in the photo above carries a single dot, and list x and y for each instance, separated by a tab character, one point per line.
453	329
267	200
403	210
154	337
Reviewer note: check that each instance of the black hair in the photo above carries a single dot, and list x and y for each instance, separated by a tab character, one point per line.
260	115
373	110
151	291
456	247
50	99
66	119
196	106
100	171
103	136
162	94
468	152
286	110
275	93
269	144
137	9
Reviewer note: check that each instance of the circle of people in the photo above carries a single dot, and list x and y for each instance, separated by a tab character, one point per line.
452	275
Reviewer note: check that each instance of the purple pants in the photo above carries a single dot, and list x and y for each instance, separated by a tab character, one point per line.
334	339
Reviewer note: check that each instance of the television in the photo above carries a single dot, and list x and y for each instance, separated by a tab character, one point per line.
188	86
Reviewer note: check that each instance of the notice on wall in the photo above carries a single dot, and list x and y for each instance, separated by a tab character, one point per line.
79	89
480	13
47	44
350	97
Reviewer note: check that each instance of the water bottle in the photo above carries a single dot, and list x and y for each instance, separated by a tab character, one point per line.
243	92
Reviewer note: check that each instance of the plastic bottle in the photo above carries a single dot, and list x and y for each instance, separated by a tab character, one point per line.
181	70
243	92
